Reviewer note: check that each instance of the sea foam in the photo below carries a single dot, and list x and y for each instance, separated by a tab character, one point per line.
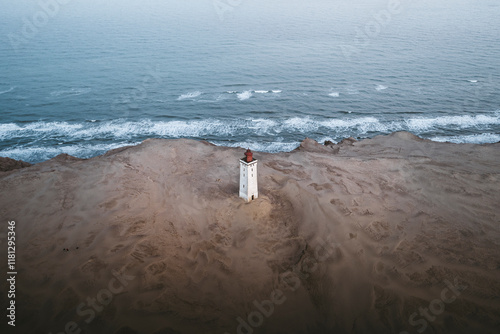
190	95
301	126
8	90
271	147
42	153
70	92
466	121
293	129
245	95
471	139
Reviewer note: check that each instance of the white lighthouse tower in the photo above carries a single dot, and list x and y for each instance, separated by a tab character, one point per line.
248	177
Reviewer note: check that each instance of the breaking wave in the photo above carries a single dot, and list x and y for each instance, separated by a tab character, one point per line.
59	137
245	95
42	153
122	129
471	139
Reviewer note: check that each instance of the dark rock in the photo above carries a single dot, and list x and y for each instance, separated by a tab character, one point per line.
348	141
310	145
8	164
65	157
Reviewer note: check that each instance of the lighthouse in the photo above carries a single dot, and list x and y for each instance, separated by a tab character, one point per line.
248	177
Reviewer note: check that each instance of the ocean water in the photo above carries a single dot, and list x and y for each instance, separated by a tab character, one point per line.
82	77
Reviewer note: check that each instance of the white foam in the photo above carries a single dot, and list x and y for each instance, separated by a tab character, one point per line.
304	125
261	91
381	87
472	81
8	90
262	126
482	138
190	95
271	147
310	125
277	91
298	127
199	128
334	94
220	97
42	153
8	129
71	92
121	129
245	95
422	124
36	129
231	92
59	127
362	124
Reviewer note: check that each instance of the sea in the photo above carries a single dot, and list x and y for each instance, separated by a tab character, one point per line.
85	76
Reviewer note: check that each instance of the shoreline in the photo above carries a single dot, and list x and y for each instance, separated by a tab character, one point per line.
8	163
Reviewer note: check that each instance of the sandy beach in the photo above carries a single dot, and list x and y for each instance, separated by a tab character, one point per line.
393	234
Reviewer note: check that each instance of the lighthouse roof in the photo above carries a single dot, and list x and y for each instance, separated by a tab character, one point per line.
245	160
248	156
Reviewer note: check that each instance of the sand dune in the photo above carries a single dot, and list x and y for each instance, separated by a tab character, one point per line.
386	235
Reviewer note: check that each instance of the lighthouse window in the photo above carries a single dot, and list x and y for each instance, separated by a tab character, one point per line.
252	169
252	175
